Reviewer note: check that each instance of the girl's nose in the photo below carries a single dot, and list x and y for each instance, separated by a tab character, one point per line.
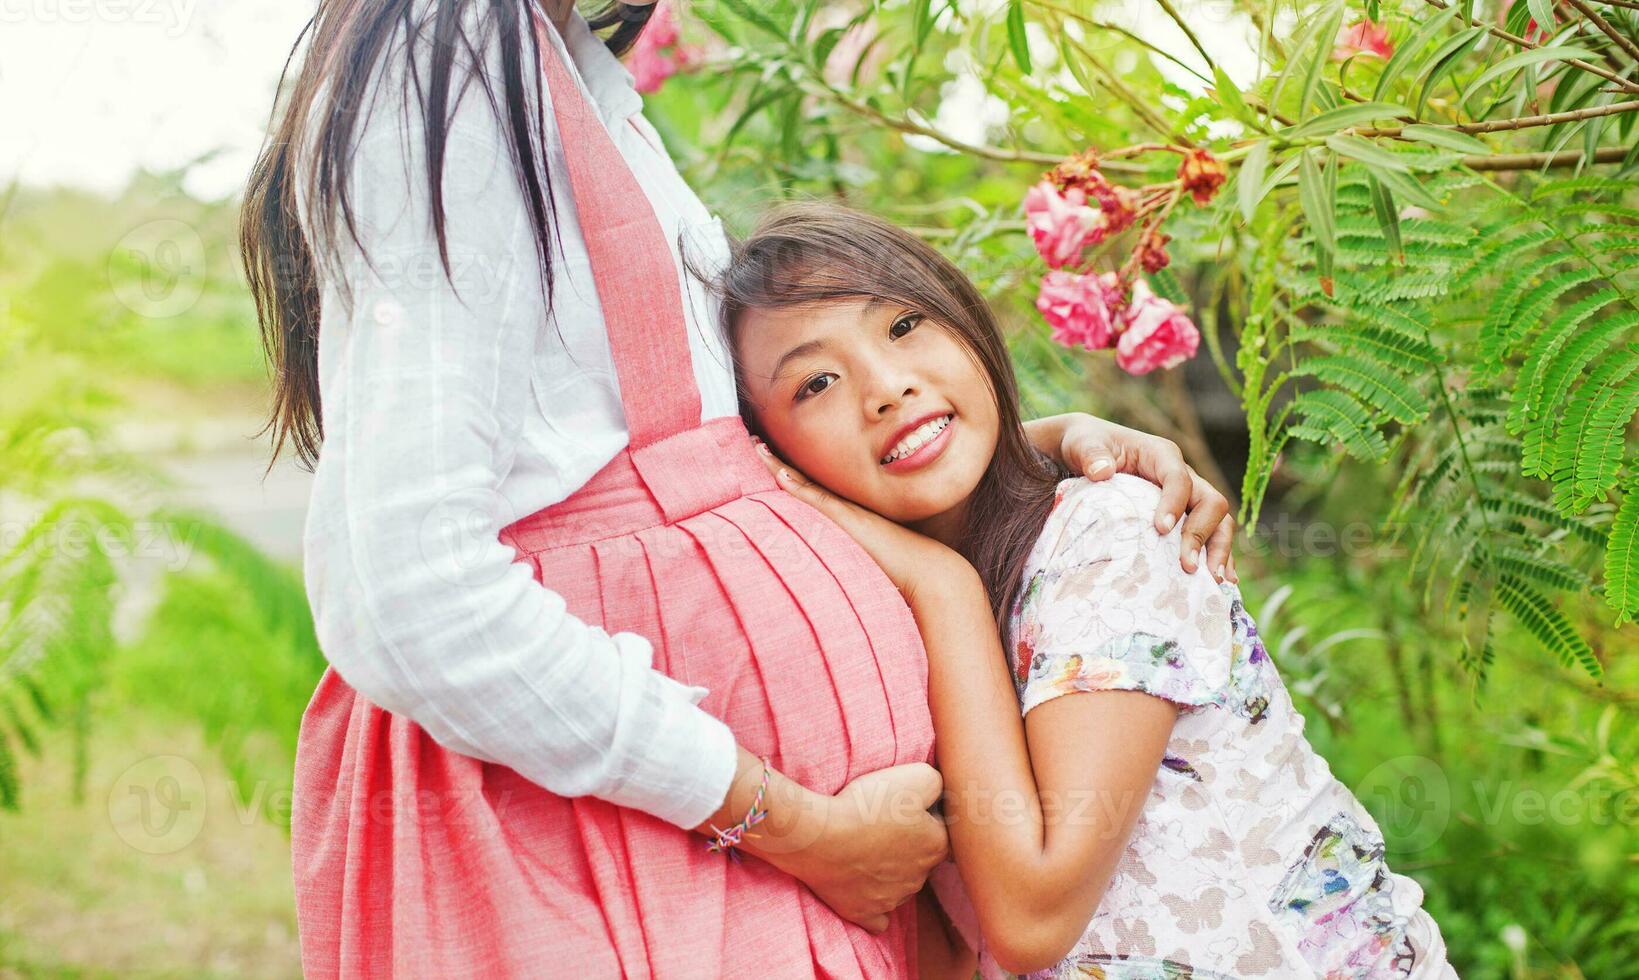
888	405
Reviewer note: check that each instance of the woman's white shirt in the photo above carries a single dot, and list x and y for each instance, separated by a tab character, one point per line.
450	414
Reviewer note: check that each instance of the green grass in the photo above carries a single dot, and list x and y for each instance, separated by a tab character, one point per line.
85	896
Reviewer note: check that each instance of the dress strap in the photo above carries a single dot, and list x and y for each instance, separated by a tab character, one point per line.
637	280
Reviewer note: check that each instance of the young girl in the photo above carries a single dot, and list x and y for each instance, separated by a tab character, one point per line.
1168	819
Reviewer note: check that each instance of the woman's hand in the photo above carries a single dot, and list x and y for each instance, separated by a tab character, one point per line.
876	846
907	557
1098	449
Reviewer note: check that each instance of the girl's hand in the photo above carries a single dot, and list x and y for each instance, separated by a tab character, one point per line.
907	557
1098	449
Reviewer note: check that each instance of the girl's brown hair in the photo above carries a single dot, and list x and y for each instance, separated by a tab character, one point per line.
345	39
817	252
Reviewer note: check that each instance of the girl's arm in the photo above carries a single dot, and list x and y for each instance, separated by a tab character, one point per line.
1038	808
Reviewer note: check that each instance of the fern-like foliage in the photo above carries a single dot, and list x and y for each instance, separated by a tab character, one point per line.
57	586
1495	359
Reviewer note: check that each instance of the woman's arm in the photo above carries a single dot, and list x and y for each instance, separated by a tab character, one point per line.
1098	449
1039	808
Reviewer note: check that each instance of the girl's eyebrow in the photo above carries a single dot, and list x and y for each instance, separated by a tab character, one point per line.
815	346
801	350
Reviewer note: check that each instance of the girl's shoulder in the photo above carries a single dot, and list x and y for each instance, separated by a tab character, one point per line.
1105	605
1090	518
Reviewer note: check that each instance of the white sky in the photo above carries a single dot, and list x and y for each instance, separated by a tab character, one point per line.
91	89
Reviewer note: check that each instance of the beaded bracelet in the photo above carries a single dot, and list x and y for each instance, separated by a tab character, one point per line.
726	840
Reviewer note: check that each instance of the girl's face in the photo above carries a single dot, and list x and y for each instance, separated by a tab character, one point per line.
877	403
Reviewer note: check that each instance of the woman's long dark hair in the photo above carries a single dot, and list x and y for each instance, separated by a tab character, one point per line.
814	252
345	39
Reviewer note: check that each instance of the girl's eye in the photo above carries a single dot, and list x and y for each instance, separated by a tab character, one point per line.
908	321
813	386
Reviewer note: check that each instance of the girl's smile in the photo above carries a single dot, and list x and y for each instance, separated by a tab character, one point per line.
883	405
921	444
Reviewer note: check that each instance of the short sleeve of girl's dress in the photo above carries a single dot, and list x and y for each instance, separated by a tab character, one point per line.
1105	605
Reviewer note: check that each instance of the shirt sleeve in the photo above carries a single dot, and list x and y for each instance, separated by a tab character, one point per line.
1110	609
417	603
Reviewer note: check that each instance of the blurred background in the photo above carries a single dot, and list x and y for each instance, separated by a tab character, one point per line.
1452	625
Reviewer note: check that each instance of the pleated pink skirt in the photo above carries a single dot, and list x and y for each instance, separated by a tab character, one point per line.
412	860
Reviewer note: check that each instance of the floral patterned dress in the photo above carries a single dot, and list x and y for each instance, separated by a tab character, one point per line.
1250	859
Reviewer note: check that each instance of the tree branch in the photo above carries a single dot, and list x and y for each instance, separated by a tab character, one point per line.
1622	40
1118	29
1127	95
1523	122
980	150
1515	39
1183	25
1531	161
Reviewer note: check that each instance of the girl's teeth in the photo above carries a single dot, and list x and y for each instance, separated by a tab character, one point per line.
916	440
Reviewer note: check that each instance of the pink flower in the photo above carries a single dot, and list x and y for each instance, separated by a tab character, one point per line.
1080	308
657	55
1365	38
1155	333
1061	225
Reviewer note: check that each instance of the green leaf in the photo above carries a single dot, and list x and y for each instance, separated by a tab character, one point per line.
1016	37
1410	47
1364	150
1588	436
1543	12
1372	382
1332	415
1249	185
1517	61
1445	139
1409	188
1230	95
1531	609
1445	60
1343	117
1318	208
1388	218
1622	557
1324	41
757	18
1299	45
922	22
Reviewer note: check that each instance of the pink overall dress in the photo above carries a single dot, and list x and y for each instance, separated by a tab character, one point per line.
411	860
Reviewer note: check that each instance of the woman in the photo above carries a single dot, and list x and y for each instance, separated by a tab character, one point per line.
483	286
